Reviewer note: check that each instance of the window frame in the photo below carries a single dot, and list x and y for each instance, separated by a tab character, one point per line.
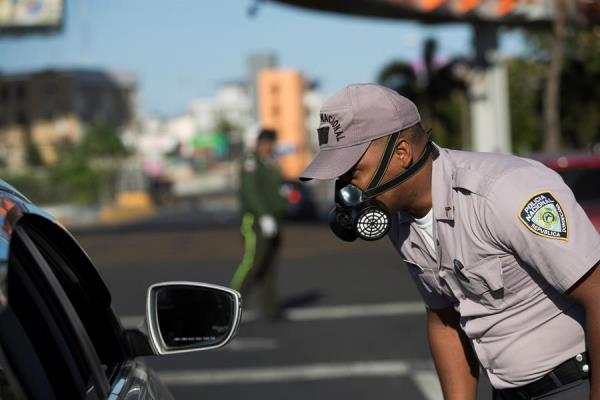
59	311
91	299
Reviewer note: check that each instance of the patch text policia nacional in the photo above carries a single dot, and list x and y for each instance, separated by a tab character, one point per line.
543	215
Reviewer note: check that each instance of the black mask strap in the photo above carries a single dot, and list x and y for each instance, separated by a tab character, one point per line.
410	171
385	160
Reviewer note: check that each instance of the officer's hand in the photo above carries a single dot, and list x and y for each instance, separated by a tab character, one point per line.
268	225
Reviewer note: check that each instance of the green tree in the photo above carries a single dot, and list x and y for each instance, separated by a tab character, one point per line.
102	141
579	91
230	136
74	177
401	77
86	169
439	92
33	156
525	90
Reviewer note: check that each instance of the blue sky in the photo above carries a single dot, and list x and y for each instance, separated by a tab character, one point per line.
182	49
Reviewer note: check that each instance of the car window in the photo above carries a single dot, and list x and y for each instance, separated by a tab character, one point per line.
59	343
85	290
583	183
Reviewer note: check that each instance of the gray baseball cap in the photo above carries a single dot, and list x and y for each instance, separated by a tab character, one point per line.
350	120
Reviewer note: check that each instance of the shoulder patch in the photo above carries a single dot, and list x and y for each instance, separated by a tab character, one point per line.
543	215
250	165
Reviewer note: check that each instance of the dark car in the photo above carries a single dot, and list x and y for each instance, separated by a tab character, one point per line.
582	174
300	201
59	337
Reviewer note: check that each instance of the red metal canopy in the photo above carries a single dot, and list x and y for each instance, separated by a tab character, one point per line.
503	12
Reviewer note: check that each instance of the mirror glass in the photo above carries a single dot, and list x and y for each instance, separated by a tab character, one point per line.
193	316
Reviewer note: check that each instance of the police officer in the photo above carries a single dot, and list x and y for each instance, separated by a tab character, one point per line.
501	253
262	208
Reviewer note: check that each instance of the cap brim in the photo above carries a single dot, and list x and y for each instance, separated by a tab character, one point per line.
331	163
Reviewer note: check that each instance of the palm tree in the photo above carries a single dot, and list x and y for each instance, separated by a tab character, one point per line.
435	94
402	78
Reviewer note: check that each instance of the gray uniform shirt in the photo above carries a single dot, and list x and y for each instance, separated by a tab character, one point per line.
510	240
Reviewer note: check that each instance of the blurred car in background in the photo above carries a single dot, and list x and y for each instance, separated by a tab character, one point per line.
59	337
582	174
300	201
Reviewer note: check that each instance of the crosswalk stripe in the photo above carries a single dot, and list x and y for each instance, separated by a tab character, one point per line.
425	378
327	312
252	344
428	384
356	311
309	372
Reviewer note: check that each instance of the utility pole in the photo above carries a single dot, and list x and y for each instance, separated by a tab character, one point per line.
552	134
488	94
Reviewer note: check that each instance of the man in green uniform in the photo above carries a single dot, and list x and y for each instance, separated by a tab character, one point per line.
262	208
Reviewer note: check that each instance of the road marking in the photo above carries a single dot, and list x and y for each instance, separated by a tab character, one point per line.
429	384
131	321
237	344
356	311
252	344
425	379
310	372
329	312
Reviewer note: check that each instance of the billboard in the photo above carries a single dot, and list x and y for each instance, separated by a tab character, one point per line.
23	16
505	12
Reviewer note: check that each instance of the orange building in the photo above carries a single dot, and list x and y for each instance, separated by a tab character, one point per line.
281	107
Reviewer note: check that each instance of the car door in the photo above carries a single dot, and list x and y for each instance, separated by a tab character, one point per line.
102	333
47	352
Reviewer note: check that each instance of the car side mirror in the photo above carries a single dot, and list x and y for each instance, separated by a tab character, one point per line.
186	316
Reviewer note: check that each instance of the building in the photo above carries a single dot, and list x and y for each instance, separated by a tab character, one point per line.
42	109
282	106
257	62
232	103
286	102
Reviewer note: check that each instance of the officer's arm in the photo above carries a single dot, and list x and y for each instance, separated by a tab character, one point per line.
587	293
534	215
454	360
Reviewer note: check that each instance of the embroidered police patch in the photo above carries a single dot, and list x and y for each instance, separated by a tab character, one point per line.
544	216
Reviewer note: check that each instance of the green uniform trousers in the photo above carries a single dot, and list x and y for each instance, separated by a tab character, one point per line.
258	266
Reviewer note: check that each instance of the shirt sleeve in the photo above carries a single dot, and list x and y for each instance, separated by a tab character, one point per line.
533	214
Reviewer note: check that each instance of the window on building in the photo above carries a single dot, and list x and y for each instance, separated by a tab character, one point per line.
3	93
50	89
20	91
22	118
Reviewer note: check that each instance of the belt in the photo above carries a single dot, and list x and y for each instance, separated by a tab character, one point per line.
572	370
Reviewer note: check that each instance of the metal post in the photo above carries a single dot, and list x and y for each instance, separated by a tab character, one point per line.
488	94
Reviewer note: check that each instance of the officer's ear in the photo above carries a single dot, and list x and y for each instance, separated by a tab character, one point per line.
404	153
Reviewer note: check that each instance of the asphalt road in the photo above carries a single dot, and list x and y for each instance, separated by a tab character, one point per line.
356	329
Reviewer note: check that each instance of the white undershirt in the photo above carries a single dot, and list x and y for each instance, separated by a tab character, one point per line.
425	225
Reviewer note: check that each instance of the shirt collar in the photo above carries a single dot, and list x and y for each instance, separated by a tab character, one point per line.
442	182
442	178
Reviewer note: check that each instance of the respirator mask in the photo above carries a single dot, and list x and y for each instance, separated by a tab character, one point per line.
357	214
